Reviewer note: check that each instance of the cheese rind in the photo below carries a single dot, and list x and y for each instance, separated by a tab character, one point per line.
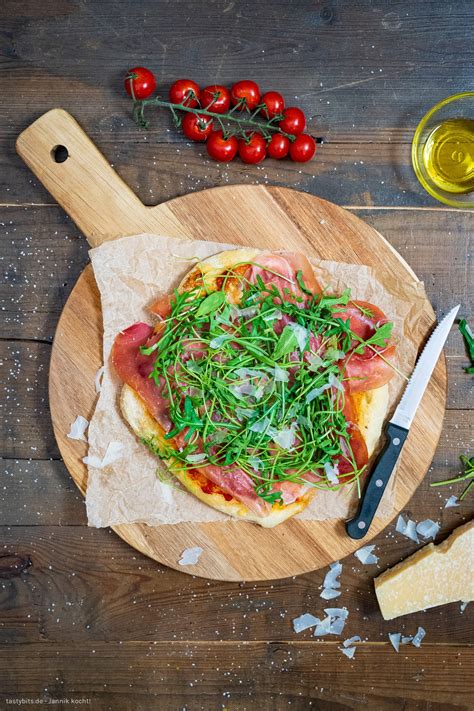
434	575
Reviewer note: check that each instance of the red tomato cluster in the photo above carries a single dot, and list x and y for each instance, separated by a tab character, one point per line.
252	147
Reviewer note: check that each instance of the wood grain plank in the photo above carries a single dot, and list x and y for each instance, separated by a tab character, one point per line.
44	253
73	582
359	71
364	77
41	492
268	676
350	173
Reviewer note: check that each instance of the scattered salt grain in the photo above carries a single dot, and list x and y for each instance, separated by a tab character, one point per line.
420	633
452	501
463	606
406	640
190	556
112	454
394	638
304	622
98	379
366	556
428	528
348	651
78	429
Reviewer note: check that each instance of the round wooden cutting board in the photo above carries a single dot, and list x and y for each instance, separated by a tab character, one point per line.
265	217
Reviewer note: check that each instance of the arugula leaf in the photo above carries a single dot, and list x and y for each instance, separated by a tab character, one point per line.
342	299
211	303
379	338
469	340
287	343
301	284
468	474
271	496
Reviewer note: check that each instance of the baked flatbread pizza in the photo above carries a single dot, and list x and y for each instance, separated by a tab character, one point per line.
255	386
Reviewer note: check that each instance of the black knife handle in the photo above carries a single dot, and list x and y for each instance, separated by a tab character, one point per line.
358	527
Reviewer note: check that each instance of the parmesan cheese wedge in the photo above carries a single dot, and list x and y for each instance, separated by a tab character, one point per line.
434	575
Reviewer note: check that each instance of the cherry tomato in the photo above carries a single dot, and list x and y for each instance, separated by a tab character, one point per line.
294	121
245	93
140	83
303	148
279	146
196	127
182	89
220	148
274	104
215	98
253	149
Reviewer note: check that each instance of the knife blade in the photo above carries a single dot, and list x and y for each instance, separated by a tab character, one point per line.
399	426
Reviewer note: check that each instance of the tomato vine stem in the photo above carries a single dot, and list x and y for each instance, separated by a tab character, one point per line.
241	120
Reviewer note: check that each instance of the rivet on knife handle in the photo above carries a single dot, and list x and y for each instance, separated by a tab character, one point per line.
378	480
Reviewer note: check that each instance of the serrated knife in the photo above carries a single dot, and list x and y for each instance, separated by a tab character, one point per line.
398	428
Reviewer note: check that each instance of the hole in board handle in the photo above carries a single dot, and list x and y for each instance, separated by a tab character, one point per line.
59	154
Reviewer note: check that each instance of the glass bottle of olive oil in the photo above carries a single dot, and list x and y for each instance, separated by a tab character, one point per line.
448	155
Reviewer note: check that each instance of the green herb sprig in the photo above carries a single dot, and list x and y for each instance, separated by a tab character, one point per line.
469	339
467	475
244	394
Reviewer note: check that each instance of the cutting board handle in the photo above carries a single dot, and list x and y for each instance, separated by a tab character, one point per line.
79	177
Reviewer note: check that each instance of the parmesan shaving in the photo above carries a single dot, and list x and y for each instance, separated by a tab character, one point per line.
301	334
407	529
394	638
113	453
78	429
428	528
366	556
323	627
348	651
304	622
190	556
98	379
351	641
420	633
329	593
331	472
330	580
196	458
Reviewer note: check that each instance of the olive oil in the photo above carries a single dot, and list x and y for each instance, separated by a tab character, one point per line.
448	155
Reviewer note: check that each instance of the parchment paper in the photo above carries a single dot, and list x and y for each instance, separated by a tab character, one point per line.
130	273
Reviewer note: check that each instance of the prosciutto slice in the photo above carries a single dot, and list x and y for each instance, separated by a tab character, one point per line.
359	372
134	368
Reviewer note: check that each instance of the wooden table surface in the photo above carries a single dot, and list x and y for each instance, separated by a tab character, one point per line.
82	615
